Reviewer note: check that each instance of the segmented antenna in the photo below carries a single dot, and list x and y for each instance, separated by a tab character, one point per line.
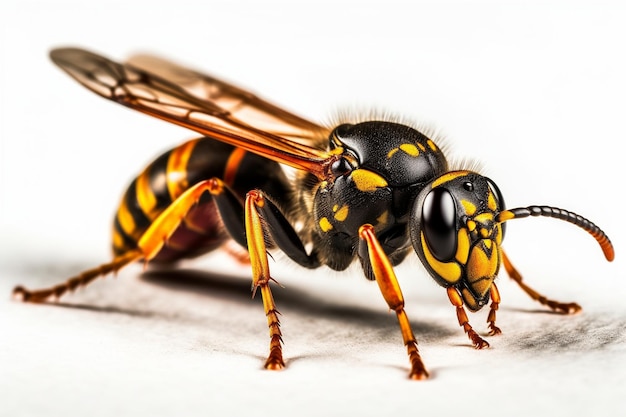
562	214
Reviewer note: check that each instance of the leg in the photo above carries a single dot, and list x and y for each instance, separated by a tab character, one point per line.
563	308
261	216
80	280
149	245
457	301
261	276
389	287
495	303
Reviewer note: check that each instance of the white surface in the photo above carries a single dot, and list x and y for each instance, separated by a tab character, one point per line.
533	91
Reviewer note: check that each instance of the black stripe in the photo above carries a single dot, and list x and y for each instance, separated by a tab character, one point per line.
128	242
142	222
207	160
157	179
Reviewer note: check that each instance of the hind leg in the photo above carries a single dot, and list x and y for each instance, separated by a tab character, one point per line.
151	243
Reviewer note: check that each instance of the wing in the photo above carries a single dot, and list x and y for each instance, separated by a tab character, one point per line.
241	104
203	104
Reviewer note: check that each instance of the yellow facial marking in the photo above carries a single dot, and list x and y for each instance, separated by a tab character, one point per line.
367	181
422	147
462	246
482	269
450	271
341	214
448	177
484	217
325	224
410	149
392	152
431	145
491	202
469	207
498	235
471	225
470	300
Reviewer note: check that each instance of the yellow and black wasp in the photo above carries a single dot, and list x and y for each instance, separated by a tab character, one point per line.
372	191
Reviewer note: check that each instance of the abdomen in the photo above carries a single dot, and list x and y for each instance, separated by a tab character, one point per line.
169	175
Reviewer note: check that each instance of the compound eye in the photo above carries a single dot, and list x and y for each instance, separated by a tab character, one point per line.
439	223
340	167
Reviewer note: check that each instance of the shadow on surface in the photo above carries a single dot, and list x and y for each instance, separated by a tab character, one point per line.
238	290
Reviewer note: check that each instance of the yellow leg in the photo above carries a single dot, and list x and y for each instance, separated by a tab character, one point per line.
80	280
390	289
563	308
261	277
457	301
149	246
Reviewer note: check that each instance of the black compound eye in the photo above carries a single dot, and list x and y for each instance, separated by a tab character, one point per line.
439	223
341	167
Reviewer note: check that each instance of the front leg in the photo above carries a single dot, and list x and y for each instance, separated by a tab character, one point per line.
457	301
390	289
495	304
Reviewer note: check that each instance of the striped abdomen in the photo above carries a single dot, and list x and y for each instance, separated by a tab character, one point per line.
168	176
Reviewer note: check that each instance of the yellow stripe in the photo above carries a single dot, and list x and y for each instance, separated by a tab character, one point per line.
491	202
448	177
145	196
449	271
118	241
232	165
462	246
126	219
177	169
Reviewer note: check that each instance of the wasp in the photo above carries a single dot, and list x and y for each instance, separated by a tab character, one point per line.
372	191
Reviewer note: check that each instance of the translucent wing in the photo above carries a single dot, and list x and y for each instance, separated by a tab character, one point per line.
241	104
203	104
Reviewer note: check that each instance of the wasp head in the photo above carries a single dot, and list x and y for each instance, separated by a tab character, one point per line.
456	233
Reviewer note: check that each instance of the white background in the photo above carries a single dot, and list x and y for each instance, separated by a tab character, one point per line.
533	90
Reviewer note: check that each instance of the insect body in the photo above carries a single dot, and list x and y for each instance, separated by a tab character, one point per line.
373	191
